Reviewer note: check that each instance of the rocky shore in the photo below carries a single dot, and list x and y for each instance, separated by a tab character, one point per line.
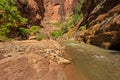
32	60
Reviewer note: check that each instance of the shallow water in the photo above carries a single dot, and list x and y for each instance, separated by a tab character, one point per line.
93	62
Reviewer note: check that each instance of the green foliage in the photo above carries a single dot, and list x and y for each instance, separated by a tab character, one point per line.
56	34
4	30
9	17
82	28
71	22
24	30
4	38
77	15
40	36
34	29
58	24
67	25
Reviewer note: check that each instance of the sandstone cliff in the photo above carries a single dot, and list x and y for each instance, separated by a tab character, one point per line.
102	18
46	11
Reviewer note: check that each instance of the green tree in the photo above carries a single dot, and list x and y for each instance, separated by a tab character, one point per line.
9	17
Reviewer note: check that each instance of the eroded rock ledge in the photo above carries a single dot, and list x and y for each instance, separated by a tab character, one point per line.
102	18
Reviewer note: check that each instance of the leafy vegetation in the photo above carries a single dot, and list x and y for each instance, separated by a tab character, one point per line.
66	26
56	34
33	30
9	17
82	28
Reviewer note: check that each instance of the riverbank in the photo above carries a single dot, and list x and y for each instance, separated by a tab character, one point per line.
56	60
32	60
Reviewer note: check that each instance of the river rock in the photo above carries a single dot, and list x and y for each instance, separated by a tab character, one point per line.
63	61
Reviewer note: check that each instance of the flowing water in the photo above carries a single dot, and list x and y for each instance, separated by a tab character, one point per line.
93	62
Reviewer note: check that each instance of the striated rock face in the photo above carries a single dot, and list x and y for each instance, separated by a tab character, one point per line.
58	10
30	67
103	23
31	9
47	11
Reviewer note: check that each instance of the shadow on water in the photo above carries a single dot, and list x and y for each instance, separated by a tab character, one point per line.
115	47
94	62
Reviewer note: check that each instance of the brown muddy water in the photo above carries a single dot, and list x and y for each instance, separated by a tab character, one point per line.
92	63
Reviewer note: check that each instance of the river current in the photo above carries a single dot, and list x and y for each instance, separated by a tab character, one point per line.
92	62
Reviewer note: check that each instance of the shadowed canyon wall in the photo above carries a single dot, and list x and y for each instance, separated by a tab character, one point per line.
102	19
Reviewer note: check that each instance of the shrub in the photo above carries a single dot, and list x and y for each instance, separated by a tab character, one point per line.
4	30
56	34
34	30
24	32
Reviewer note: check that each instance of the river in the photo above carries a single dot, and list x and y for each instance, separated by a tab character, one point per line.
91	62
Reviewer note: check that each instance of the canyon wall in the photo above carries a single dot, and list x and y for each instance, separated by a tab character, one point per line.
42	12
102	19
